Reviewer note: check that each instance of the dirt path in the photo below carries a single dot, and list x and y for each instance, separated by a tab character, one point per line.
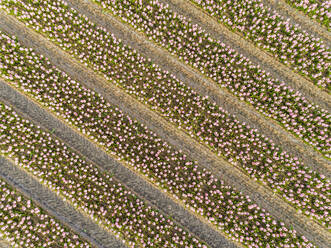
54	205
204	86
220	168
4	244
306	23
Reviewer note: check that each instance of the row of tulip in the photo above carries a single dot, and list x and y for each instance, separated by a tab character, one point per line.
24	224
96	193
240	218
315	9
229	69
87	42
270	31
239	144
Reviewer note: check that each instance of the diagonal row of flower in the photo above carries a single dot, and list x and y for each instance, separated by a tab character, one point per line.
24	224
86	187
242	146
270	31
99	49
316	9
229	69
240	218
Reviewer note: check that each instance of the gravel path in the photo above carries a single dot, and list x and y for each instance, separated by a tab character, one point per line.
306	23
95	155
49	201
265	60
204	86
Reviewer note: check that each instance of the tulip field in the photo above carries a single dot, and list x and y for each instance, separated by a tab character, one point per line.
239	219
317	10
27	225
273	33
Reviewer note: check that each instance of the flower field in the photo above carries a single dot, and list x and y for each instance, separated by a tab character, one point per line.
168	168
86	187
317	10
84	40
292	46
276	169
102	197
25	224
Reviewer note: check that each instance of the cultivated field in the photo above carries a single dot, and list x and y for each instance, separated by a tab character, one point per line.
165	123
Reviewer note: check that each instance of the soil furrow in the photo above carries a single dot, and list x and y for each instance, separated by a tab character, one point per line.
95	155
45	198
266	61
296	17
4	244
206	87
222	169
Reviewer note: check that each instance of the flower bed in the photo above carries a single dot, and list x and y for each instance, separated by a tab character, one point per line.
222	64
270	31
86	187
99	49
218	203
240	145
24	224
315	9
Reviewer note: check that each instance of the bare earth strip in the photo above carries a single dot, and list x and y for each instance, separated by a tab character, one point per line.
264	59
49	201
296	16
180	140
204	86
95	155
4	244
